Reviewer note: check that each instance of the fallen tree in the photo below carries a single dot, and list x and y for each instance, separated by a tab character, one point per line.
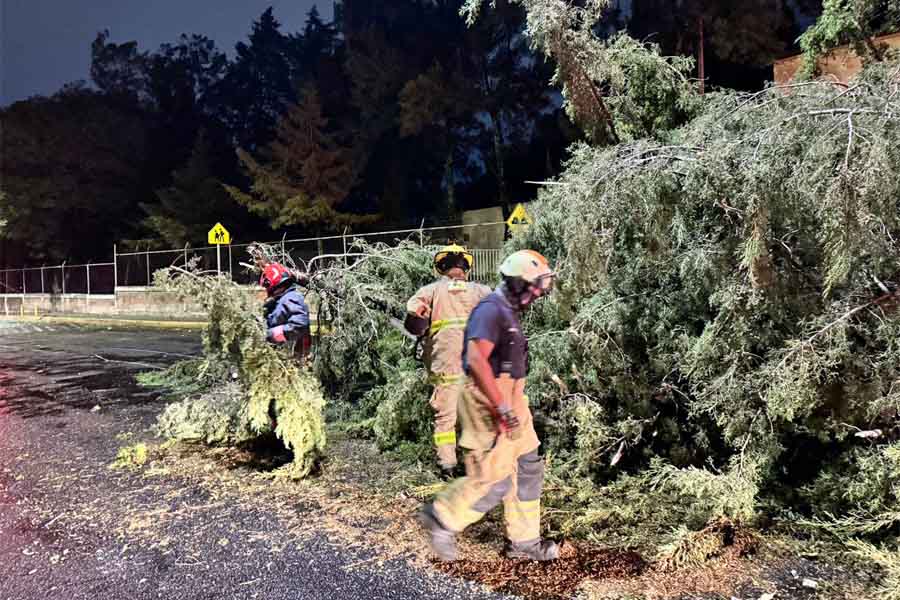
242	388
241	384
726	340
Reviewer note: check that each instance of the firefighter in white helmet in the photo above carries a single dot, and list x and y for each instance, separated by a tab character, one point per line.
438	313
498	437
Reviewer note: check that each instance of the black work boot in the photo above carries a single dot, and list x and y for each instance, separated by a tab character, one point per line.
443	541
451	472
538	549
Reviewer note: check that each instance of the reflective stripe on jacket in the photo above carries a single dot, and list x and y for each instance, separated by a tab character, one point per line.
447	304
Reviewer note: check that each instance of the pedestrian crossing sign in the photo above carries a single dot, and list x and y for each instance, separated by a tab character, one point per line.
219	235
519	220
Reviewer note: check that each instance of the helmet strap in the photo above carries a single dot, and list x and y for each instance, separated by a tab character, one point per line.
517	291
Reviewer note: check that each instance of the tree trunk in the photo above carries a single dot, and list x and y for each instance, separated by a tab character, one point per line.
501	170
762	271
701	61
450	180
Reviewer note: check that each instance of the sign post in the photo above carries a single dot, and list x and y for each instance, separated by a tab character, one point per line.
217	236
519	220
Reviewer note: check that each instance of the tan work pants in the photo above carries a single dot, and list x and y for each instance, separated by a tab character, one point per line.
502	473
444	401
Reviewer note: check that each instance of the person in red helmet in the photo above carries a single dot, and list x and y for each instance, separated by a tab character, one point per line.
287	316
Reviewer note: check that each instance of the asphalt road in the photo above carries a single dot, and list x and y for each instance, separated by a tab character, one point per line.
66	392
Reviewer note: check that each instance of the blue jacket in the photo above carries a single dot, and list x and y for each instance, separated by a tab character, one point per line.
288	317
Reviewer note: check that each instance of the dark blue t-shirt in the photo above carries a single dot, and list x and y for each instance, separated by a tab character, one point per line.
494	320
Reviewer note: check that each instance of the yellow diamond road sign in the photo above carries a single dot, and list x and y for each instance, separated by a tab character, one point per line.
519	219
219	235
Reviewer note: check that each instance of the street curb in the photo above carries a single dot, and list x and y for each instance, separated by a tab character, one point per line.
107	322
125	323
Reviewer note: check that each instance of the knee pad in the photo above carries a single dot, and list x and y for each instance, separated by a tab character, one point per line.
530	476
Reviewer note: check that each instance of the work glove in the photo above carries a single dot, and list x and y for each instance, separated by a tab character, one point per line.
276	335
507	421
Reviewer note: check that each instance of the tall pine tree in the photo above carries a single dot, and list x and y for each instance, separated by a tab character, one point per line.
193	203
259	85
303	175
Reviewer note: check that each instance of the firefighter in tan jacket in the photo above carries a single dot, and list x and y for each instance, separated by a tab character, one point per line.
439	312
498	436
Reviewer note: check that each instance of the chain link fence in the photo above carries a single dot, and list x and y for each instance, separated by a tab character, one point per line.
93	278
134	269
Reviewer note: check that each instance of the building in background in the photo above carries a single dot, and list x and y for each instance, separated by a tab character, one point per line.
842	63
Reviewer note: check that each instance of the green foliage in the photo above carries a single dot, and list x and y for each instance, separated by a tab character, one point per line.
367	364
130	457
402	412
616	89
217	416
304	175
242	377
888	560
358	301
853	22
184	377
859	493
645	508
184	211
726	318
689	548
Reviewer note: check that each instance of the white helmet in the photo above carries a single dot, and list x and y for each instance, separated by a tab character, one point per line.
527	275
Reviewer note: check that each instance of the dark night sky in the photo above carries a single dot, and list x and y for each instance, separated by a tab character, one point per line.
47	43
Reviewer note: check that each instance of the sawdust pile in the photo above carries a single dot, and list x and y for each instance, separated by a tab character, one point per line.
550	580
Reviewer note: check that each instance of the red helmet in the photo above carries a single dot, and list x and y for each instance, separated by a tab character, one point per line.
275	276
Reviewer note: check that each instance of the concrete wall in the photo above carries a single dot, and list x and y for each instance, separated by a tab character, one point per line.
41	304
483	237
127	301
148	301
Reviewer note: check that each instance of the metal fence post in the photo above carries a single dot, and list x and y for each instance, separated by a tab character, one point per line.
185	256
62	270
230	276
148	267
282	248
23	282
88	266
115	277
42	279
